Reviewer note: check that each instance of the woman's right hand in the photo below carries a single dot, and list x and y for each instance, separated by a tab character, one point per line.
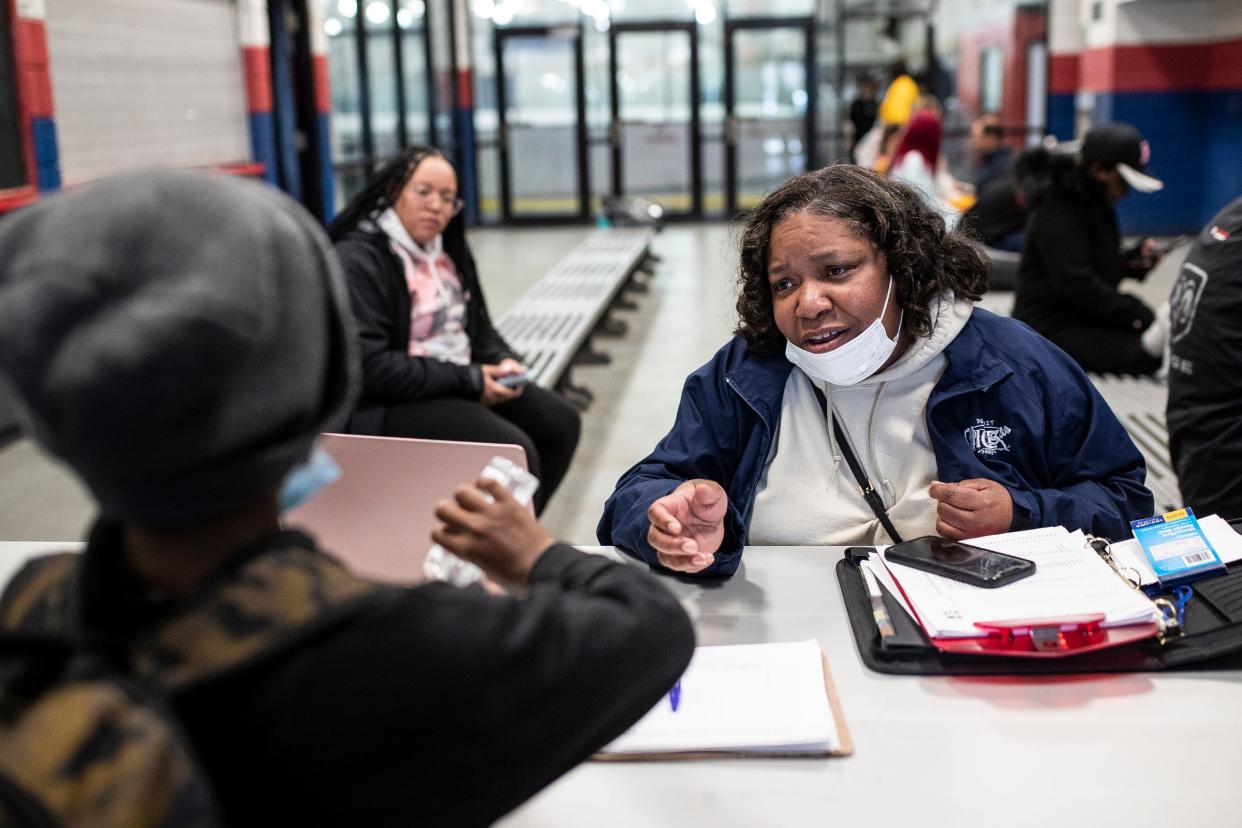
687	525
493	392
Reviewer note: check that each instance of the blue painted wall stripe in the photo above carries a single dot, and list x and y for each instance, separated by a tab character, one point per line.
1196	141
263	144
46	153
1061	116
323	127
467	163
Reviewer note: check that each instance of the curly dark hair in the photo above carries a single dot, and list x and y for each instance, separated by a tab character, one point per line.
924	258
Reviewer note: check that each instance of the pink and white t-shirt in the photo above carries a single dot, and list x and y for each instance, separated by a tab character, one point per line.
437	299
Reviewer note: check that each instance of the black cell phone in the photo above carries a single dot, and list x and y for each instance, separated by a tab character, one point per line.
961	561
512	380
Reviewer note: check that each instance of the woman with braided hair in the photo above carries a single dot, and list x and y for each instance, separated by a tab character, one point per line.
433	365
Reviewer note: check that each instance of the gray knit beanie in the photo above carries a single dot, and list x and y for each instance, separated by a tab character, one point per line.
179	339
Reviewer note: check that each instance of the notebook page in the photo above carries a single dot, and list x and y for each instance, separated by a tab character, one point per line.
1069	580
748	697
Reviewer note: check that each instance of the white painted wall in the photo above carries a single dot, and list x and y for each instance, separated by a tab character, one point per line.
1125	22
1065	27
139	84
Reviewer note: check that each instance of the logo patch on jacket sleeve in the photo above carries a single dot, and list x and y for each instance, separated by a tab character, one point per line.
987	438
1183	303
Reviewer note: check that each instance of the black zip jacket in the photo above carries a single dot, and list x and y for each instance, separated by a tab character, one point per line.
1072	261
444	706
381	306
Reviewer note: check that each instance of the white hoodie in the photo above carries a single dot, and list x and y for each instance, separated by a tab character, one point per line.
809	497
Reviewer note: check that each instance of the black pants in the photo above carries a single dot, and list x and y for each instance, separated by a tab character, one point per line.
1105	351
540	421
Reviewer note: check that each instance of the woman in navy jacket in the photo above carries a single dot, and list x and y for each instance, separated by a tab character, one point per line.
855	299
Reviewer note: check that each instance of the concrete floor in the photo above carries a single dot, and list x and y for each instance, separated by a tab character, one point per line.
680	322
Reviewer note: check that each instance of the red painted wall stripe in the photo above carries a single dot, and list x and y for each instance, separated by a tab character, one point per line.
17	197
1162	67
258	70
33	82
323	88
1063	72
1225	65
247	169
30	40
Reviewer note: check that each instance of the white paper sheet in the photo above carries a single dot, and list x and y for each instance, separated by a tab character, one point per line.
750	697
1069	580
876	564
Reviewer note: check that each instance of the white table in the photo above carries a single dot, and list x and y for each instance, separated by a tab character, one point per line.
1122	751
1126	750
15	553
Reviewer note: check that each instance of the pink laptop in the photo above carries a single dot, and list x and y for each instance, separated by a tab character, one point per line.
379	516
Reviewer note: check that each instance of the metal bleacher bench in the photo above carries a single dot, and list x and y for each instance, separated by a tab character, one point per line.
551	325
1139	403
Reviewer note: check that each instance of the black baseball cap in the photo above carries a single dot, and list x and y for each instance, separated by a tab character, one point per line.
1122	146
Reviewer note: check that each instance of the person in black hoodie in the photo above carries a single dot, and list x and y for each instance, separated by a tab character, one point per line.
1072	262
433	365
184	376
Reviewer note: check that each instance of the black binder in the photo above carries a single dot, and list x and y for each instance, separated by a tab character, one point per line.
1212	637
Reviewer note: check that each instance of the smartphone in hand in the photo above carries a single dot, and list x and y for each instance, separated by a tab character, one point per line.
960	561
512	380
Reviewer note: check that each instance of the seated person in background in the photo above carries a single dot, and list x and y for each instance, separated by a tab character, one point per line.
856	303
890	139
1072	262
998	215
184	376
921	164
896	107
863	111
918	154
432	363
899	98
992	158
1205	369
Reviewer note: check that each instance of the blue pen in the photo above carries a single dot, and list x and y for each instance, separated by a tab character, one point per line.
674	695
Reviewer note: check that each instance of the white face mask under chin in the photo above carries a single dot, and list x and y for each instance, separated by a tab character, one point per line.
854	361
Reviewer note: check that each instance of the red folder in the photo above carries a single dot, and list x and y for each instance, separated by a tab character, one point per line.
1046	637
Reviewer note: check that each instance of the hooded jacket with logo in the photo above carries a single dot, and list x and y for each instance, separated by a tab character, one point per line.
1205	386
1065	458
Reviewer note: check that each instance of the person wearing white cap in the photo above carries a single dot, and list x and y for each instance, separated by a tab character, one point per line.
1072	262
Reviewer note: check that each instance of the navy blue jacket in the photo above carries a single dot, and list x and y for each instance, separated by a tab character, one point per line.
1065	458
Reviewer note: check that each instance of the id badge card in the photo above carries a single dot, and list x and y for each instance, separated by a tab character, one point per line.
1175	546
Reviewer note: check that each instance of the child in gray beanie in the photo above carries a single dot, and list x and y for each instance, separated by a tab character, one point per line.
179	340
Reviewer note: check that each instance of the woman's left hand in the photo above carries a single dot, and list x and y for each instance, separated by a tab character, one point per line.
971	508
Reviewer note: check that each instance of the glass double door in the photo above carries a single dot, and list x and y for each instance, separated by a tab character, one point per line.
540	102
769	106
380	79
656	136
